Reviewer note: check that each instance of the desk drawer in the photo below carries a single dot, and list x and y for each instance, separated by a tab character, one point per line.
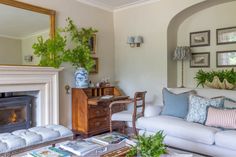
100	111
98	123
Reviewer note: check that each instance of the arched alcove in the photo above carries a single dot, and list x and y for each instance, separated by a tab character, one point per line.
172	35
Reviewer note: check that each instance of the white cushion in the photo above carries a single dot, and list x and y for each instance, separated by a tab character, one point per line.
47	134
61	129
152	110
226	139
30	137
178	127
13	142
122	116
3	147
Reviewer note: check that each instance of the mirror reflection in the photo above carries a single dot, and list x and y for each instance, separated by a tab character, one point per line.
19	29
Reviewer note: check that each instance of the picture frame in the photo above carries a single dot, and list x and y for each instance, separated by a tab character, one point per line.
95	66
200	60
226	58
201	38
226	35
92	44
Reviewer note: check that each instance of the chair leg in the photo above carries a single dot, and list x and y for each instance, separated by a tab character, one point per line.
111	126
123	128
134	128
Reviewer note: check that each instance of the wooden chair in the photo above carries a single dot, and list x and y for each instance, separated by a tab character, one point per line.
129	116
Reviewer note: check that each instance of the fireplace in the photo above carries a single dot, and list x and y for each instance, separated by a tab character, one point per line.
15	113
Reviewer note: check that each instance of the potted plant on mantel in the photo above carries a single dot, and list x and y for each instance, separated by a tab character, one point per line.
53	51
80	54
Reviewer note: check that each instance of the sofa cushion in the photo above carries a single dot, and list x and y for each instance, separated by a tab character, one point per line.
226	139
178	127
198	107
30	138
229	103
223	118
46	133
13	142
175	104
122	116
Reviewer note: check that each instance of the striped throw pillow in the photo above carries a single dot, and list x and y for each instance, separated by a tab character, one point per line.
219	117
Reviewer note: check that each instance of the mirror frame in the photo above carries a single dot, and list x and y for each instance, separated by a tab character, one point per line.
26	6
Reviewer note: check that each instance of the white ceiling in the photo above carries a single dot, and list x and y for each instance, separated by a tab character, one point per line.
114	5
19	23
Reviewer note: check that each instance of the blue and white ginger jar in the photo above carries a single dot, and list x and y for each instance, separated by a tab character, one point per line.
81	78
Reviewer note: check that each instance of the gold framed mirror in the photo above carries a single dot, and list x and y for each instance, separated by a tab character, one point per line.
20	25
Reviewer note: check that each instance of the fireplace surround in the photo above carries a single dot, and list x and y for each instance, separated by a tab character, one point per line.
42	80
15	113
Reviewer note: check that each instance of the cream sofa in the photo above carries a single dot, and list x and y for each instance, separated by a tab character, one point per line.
191	136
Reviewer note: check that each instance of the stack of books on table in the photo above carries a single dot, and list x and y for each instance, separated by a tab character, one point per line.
94	146
109	138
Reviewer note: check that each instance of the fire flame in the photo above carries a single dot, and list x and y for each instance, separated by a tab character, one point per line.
13	117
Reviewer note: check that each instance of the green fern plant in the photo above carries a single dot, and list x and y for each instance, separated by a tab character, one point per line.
203	76
149	146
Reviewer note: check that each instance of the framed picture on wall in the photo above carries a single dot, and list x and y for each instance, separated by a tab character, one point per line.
200	60
92	44
226	35
201	38
226	58
95	66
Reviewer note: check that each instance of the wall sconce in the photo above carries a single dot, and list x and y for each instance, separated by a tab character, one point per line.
135	41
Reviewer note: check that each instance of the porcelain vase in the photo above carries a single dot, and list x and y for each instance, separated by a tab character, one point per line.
81	78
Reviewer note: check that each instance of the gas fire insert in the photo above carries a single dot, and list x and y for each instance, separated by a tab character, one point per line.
15	113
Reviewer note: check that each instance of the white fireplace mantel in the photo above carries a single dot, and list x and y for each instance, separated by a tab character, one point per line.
35	78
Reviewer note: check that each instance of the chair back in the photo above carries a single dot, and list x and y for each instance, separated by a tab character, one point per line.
139	102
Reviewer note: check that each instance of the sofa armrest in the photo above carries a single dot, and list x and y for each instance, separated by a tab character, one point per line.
152	110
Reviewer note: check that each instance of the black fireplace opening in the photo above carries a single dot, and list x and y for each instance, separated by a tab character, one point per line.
15	113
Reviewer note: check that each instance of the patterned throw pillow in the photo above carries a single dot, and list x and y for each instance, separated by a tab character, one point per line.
224	118
198	107
229	103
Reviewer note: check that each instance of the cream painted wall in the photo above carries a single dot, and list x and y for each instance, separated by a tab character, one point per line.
10	51
219	16
26	47
145	68
84	16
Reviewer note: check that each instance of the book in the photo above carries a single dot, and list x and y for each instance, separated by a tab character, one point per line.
49	152
80	147
109	138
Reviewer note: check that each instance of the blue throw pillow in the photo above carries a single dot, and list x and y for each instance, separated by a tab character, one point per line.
175	104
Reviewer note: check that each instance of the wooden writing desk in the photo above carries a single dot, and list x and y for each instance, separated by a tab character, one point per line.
90	113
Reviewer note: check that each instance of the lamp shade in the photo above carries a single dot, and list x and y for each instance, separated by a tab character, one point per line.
182	53
138	40
130	40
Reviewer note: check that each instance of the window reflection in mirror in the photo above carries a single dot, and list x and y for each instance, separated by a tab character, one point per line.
19	29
